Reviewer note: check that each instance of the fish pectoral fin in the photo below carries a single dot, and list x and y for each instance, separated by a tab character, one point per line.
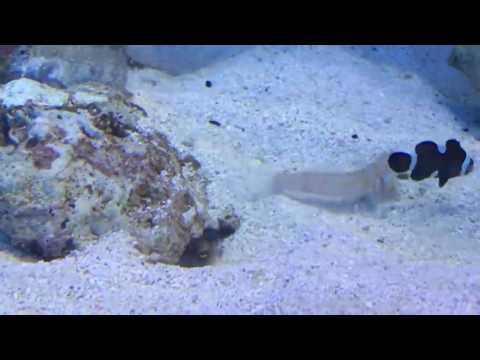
442	180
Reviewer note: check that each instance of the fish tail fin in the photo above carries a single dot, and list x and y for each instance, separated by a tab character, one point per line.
257	183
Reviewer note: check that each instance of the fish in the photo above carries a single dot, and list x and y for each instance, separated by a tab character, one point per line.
367	186
372	184
432	161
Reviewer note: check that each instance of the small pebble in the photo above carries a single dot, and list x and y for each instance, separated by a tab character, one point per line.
213	122
208	83
354	136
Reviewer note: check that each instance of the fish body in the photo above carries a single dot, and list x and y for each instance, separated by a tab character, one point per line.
371	184
430	160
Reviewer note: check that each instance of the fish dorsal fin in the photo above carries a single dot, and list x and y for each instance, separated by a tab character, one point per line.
452	161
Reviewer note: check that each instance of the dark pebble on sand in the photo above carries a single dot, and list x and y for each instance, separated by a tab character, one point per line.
354	136
208	83
213	122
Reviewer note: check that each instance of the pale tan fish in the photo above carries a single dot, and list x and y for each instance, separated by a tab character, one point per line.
370	185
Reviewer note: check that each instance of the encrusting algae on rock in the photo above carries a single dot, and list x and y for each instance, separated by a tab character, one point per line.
74	171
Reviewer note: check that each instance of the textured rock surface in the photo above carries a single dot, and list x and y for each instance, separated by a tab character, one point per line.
66	65
466	58
5	52
19	92
180	59
78	170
